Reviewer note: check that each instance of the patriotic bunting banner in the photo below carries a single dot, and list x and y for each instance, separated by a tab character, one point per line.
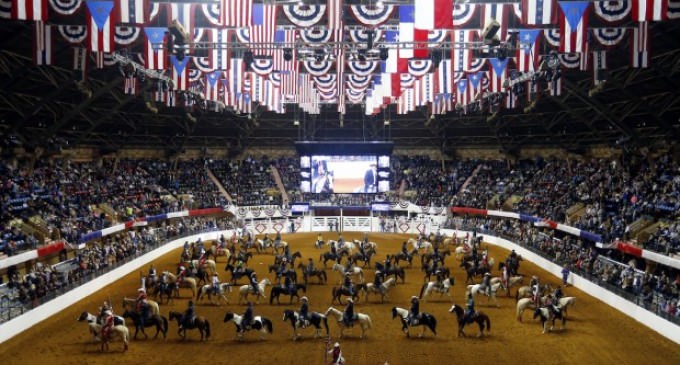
73	34
155	53
126	35
613	11
304	15
528	52
609	36
211	12
212	84
372	15
463	13
180	73
65	7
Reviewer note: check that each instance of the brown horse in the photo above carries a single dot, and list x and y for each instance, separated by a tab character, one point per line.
318	273
200	323
480	318
338	292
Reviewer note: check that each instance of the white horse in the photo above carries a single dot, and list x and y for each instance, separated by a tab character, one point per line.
368	246
119	332
512	281
222	290
424	245
547	316
261	324
477	289
523	304
354	271
363	319
432	287
208	264
565	303
345	248
244	290
386	286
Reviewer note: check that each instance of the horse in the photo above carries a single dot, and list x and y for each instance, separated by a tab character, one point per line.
566	302
338	292
185	283
479	317
491	294
328	256
429	272
159	321
168	290
207	264
319	273
370	288
429	256
345	249
120	332
364	321
237	274
366	258
201	323
473	270
523	304
354	271
91	318
424	319
548	315
217	250
367	246
241	256
432	286
513	280
397	271
244	290
315	319
261	246
153	305
400	256
291	258
277	291
223	288
259	323
523	292
424	245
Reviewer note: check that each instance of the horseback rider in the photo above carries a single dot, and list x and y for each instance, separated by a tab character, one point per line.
247	319
505	276
286	253
240	265
282	268
142	305
469	309
288	284
558	294
553	305
535	290
388	264
188	317
439	279
163	282
215	283
319	240
348	265
486	284
404	250
436	256
378	282
309	270
414	312
348	314
304	310
107	320
348	284
254	284
341	241
334	250
152	275
182	273
277	239
266	240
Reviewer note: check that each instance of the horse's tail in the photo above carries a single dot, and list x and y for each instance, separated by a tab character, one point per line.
207	328
325	278
320	257
369	321
273	293
516	295
488	323
422	290
164	326
433	324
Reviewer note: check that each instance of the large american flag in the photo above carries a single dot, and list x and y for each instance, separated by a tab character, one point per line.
537	12
236	13
263	28
29	10
132	11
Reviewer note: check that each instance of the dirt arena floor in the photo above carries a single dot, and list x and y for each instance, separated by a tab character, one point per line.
595	333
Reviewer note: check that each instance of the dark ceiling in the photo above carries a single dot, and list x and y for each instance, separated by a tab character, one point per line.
42	106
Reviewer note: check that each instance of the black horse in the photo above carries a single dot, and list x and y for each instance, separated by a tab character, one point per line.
398	272
290	258
338	292
240	256
170	290
201	323
400	256
365	258
424	319
547	315
328	256
237	274
472	270
429	272
319	273
427	257
277	291
314	318
157	320
276	268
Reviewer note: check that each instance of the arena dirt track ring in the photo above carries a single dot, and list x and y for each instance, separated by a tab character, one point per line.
595	334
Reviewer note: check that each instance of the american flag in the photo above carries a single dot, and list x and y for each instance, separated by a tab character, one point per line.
80	63
442	104
640	48
180	73
219	55
235	76
184	14
573	26
42	45
462	55
537	12
644	10
132	11
236	13
100	29
444	79
263	28
29	10
130	85
285	39
155	53
334	14
498	12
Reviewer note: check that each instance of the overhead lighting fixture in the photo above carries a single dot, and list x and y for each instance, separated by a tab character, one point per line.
287	54
387	122
489	33
296	122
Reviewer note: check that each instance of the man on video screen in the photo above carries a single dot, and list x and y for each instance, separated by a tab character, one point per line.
370	179
323	182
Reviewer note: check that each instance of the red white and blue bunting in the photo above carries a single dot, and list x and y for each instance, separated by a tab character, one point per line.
355	97
419	68
462	13
262	66
372	16
436	37
316	36
275	79
125	35
361	36
552	36
358	82
195	75
570	60
5	9
203	64
609	36
362	68
304	15
65	7
317	68
155	9
477	64
243	35
613	11
212	13
407	81
673	9
73	34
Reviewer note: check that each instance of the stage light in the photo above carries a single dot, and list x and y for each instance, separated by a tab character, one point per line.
370	34
361	55
287	54
384	54
489	33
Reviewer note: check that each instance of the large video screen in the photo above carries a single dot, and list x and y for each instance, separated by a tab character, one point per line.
344	174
